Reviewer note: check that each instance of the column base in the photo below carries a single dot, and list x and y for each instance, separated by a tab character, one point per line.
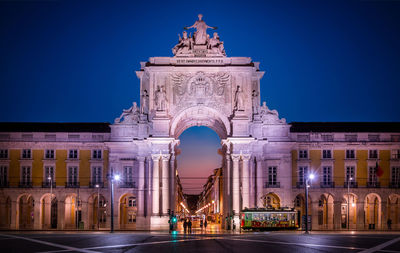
159	223
142	223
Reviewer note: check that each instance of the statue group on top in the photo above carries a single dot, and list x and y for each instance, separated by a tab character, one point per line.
200	41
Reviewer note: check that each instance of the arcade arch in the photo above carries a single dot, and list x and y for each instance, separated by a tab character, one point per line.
373	208
5	212
48	211
25	213
97	205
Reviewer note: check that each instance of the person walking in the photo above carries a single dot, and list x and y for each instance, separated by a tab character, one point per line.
389	224
190	226
185	225
201	225
205	225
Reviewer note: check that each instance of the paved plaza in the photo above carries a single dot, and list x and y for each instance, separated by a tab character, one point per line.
199	241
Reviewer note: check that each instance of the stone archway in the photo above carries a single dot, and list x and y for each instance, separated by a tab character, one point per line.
326	211
48	211
272	200
373	208
128	211
25	211
5	212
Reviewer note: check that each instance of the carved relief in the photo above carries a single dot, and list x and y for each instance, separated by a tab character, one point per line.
200	89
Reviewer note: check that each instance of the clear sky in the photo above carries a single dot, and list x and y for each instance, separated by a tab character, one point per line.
74	61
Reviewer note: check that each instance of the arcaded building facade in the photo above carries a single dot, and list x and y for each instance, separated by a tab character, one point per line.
58	175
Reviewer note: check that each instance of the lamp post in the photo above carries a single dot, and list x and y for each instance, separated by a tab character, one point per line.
310	177
113	178
348	203
98	205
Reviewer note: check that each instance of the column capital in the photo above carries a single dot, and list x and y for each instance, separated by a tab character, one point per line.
246	157
165	157
155	157
141	158
235	157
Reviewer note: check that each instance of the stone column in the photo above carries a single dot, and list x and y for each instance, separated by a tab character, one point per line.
13	222
245	182
384	215
337	214
360	215
36	215
156	184
314	214
85	212
141	186
235	184
60	214
172	182
165	184
259	182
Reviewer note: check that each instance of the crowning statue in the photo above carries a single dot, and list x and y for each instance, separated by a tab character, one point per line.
200	36
200	42
254	101
144	103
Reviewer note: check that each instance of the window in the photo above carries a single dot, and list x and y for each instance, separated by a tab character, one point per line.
350	173
49	173
327	137
303	154
303	172
3	175
350	137
3	153
26	153
26	175
73	154
395	180
350	154
49	154
373	154
372	178
327	175
298	201
373	137
96	175
272	175
303	137
327	154
96	154
128	174
72	175
131	202
131	217
396	154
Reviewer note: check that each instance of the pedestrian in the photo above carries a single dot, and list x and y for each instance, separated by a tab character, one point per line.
185	225
190	226
201	224
205	224
389	224
233	225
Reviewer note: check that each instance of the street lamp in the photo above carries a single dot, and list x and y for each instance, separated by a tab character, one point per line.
113	178
348	203
98	205
310	177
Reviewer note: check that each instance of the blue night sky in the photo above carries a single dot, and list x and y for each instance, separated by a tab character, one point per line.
74	61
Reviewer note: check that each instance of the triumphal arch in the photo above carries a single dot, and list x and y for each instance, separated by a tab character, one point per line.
199	86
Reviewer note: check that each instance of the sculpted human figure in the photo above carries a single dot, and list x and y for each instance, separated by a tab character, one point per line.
239	99
254	101
160	98
184	44
144	103
130	115
200	36
215	45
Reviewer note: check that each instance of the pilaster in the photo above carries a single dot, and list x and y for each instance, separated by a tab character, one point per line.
156	184
165	183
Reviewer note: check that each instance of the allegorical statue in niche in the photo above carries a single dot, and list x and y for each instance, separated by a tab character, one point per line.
160	98
239	99
200	36
184	45
254	102
144	104
130	115
215	45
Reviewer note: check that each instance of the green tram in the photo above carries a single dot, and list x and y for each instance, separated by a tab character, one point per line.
269	219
